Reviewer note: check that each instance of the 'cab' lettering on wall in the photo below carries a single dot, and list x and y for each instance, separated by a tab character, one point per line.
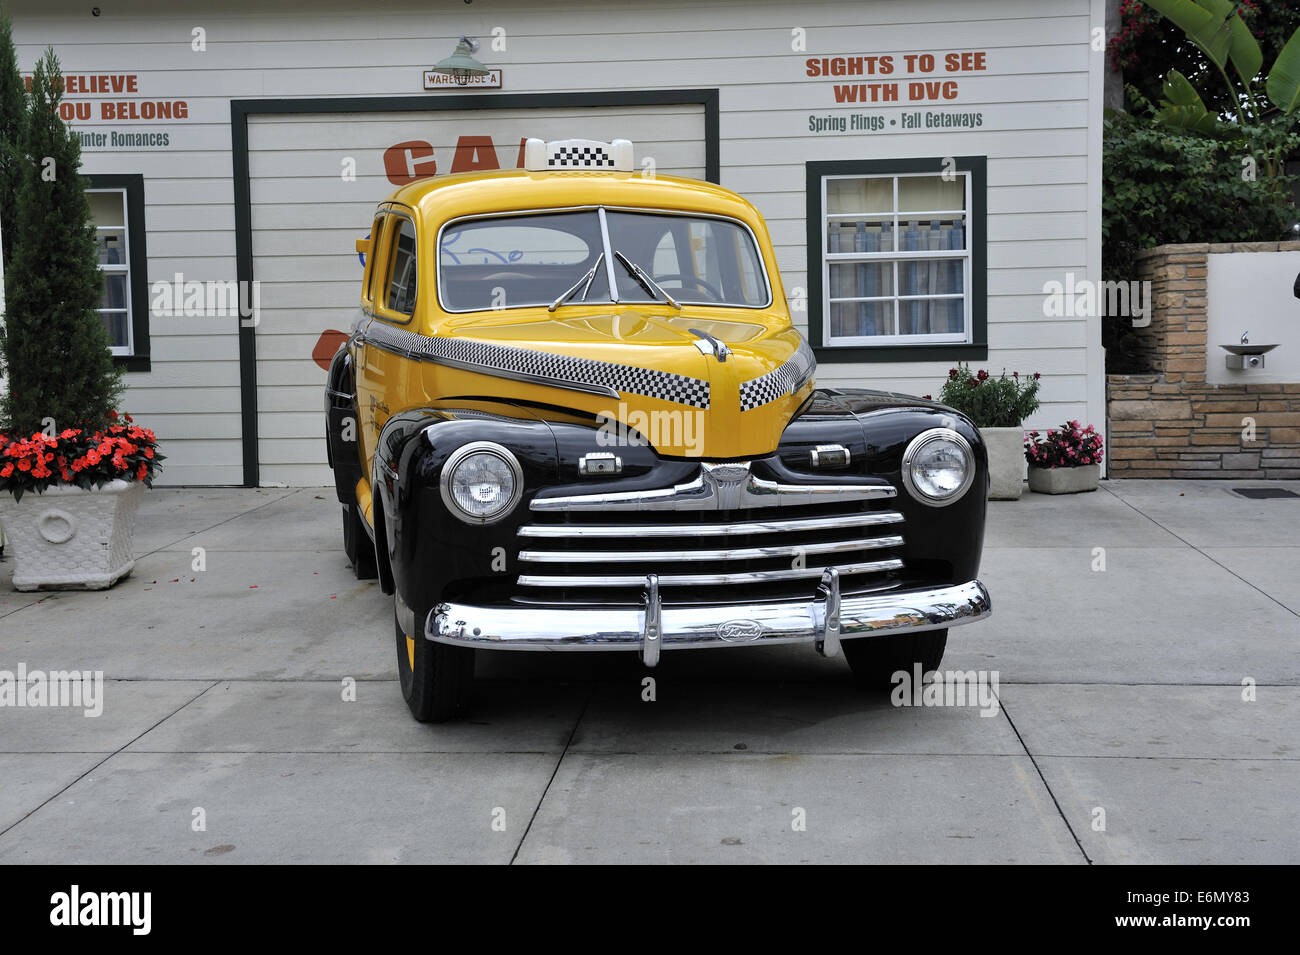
414	159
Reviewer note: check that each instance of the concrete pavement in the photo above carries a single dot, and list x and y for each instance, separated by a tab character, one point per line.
251	712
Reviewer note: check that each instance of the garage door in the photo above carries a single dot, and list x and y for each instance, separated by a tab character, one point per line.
314	183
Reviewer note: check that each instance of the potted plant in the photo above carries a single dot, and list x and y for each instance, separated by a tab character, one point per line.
59	435
1067	460
78	533
996	406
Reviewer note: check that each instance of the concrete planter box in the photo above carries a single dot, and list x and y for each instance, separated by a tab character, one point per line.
1006	447
72	539
1065	480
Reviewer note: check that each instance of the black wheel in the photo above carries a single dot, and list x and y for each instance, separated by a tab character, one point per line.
875	660
436	679
357	544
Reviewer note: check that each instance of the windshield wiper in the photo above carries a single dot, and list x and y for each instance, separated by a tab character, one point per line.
647	283
584	283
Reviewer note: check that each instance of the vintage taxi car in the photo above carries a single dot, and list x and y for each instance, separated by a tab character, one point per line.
574	415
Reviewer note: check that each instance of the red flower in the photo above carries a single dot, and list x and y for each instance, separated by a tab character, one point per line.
142	471
7	470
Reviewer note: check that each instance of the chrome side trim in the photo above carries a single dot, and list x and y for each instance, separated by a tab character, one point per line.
740	553
719	487
597	531
697	580
796	621
570	372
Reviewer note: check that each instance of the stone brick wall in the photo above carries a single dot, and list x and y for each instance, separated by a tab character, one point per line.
1172	423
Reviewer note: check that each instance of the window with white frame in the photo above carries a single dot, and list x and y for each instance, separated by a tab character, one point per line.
896	258
108	208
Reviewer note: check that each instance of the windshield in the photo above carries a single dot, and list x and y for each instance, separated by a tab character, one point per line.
533	259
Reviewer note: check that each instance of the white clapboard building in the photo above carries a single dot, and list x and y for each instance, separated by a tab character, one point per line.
245	140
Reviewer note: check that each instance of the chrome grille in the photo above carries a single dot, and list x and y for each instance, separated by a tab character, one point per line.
604	558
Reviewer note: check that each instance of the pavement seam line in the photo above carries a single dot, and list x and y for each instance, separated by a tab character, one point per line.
554	772
4	832
283	497
1187	543
1046	785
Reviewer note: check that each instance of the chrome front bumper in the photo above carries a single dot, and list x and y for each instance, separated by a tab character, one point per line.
822	621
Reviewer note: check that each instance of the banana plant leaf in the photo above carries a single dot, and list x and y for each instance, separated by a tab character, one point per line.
1283	85
1182	107
1206	25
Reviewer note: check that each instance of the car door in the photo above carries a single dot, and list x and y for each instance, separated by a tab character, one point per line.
388	382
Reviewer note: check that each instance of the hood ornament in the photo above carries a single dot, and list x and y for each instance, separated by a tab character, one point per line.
709	345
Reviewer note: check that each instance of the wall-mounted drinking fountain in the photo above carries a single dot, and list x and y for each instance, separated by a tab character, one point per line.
1247	356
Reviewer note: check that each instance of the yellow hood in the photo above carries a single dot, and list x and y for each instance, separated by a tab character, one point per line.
654	370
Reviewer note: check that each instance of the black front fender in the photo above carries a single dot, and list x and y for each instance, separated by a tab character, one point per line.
427	547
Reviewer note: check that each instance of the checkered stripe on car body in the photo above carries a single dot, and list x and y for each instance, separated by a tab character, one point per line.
525	364
785	380
585	157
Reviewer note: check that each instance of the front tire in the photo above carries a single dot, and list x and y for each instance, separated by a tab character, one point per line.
875	660
436	678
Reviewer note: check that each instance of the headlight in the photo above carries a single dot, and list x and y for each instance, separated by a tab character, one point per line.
938	466
481	482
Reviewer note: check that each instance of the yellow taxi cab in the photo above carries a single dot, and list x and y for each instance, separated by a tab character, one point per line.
574	414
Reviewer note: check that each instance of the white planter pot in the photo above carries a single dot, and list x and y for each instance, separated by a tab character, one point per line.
1065	480
72	539
1006	447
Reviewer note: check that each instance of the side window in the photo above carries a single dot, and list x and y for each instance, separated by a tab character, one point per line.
372	258
400	296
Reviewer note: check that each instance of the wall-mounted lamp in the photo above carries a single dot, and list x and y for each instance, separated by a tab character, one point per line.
461	65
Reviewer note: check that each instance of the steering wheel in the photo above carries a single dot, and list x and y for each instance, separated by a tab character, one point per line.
694	280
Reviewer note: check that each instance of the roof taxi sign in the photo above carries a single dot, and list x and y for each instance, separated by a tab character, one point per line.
586	154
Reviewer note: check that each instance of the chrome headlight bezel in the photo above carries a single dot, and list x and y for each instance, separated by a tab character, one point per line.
457	458
917	444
